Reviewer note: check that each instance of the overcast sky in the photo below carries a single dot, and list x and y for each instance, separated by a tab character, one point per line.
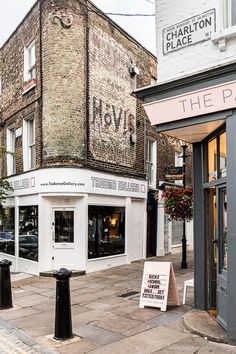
141	28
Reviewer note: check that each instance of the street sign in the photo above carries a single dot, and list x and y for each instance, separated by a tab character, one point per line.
177	170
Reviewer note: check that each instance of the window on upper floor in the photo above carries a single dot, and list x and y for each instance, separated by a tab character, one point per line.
151	162
29	155
11	139
29	62
230	13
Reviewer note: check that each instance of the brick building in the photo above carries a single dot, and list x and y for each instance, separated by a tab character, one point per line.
79	140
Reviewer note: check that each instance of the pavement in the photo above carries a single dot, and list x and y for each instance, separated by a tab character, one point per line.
106	317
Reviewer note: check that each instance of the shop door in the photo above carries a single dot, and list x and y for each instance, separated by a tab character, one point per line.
63	235
221	295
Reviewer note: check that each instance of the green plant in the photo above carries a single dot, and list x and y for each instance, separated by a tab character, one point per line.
5	186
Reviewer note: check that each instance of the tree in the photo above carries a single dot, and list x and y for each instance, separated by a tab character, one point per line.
5	186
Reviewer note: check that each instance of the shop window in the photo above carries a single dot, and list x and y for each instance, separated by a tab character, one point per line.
212	160
29	62
106	231
151	162
28	232
29	154
11	139
222	155
223	231
7	233
64	226
230	13
217	158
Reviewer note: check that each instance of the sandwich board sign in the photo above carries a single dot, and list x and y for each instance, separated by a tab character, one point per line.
158	286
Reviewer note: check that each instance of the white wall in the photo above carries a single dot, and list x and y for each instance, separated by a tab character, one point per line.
199	56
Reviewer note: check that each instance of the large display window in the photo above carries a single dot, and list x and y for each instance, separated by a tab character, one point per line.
106	231
28	232
217	157
7	233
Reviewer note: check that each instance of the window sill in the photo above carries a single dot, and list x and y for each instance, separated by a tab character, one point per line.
221	37
28	86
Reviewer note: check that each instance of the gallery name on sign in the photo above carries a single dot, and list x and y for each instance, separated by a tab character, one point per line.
191	31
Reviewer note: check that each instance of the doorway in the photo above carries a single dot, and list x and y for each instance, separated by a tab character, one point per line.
63	234
217	231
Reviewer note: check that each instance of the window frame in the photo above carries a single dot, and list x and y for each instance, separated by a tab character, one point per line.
228	13
151	162
29	68
11	148
28	146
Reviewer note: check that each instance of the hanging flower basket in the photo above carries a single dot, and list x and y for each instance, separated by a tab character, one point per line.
178	203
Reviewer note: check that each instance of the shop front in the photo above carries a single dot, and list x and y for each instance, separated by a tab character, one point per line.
200	109
78	219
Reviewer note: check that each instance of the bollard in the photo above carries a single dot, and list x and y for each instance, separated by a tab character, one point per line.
63	323
5	285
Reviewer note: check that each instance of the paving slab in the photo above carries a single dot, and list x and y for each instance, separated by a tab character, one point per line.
96	334
144	343
124	326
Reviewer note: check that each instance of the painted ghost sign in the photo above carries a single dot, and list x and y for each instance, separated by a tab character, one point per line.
112	108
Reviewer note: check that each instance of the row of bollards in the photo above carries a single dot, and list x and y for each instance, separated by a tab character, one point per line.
63	322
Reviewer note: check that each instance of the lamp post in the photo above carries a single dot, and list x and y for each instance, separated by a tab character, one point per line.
184	264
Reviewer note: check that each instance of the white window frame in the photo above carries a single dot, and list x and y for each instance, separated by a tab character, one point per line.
151	163
29	147
178	163
29	67
228	13
11	144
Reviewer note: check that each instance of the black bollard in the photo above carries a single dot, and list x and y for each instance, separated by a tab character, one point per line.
63	323
5	285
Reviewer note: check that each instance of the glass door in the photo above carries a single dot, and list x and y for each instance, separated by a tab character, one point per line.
222	257
63	234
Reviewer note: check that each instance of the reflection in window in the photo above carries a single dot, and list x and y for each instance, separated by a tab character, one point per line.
7	236
212	160
224	230
106	231
28	232
222	155
64	226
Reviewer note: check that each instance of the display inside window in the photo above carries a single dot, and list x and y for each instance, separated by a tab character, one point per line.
217	158
7	233
224	231
222	155
28	232
212	160
64	226
106	231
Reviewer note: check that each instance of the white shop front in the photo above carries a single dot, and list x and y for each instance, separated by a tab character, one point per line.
73	218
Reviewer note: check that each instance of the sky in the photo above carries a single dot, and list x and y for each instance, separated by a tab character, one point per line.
141	28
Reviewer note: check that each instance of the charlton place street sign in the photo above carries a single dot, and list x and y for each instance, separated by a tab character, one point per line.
190	31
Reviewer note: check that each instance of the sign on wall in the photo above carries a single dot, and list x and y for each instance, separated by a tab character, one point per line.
191	31
158	285
112	108
207	100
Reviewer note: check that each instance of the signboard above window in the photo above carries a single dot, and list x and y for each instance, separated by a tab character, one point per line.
188	32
